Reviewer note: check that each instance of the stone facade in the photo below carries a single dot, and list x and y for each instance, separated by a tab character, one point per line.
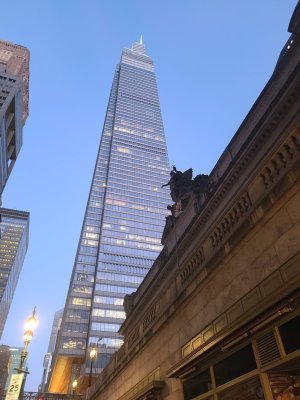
15	58
229	274
14	99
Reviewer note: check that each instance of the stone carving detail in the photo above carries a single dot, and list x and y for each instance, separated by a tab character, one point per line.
259	141
281	159
182	186
128	303
182	183
150	317
192	266
134	336
232	218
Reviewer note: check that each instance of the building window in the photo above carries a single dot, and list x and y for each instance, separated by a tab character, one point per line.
235	365
81	301
73	344
197	385
97	312
78	314
290	335
73	327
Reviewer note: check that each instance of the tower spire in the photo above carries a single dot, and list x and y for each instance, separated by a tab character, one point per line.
139	47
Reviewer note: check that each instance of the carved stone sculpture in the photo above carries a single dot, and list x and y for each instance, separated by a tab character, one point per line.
182	183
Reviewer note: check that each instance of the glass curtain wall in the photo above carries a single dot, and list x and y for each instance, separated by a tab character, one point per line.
14	226
125	214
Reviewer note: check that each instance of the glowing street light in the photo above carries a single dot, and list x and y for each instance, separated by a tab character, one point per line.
30	326
74	385
93	356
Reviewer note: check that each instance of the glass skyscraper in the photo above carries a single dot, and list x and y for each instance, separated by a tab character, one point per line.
14	230
14	224
123	222
14	97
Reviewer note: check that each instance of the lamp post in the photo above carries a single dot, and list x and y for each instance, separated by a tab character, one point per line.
93	356
74	385
30	326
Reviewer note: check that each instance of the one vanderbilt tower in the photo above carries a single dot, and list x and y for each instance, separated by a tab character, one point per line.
123	222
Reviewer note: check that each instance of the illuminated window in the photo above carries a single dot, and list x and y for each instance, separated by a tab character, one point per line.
123	150
80	301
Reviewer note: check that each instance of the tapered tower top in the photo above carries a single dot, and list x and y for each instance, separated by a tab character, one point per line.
139	47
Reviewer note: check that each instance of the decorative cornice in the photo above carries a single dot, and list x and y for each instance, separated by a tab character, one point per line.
192	266
134	336
150	317
231	220
238	164
281	159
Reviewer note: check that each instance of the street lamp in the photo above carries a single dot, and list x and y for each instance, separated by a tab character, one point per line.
74	385
30	326
93	356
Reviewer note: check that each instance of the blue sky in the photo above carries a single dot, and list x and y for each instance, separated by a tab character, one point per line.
212	59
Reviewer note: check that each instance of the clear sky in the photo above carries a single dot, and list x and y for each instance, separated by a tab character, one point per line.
212	59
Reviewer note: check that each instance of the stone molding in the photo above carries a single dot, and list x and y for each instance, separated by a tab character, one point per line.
280	282
281	159
134	336
237	212
146	388
258	142
192	266
150	317
288	154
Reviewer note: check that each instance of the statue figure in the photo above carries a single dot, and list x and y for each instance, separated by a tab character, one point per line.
128	303
182	185
182	182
